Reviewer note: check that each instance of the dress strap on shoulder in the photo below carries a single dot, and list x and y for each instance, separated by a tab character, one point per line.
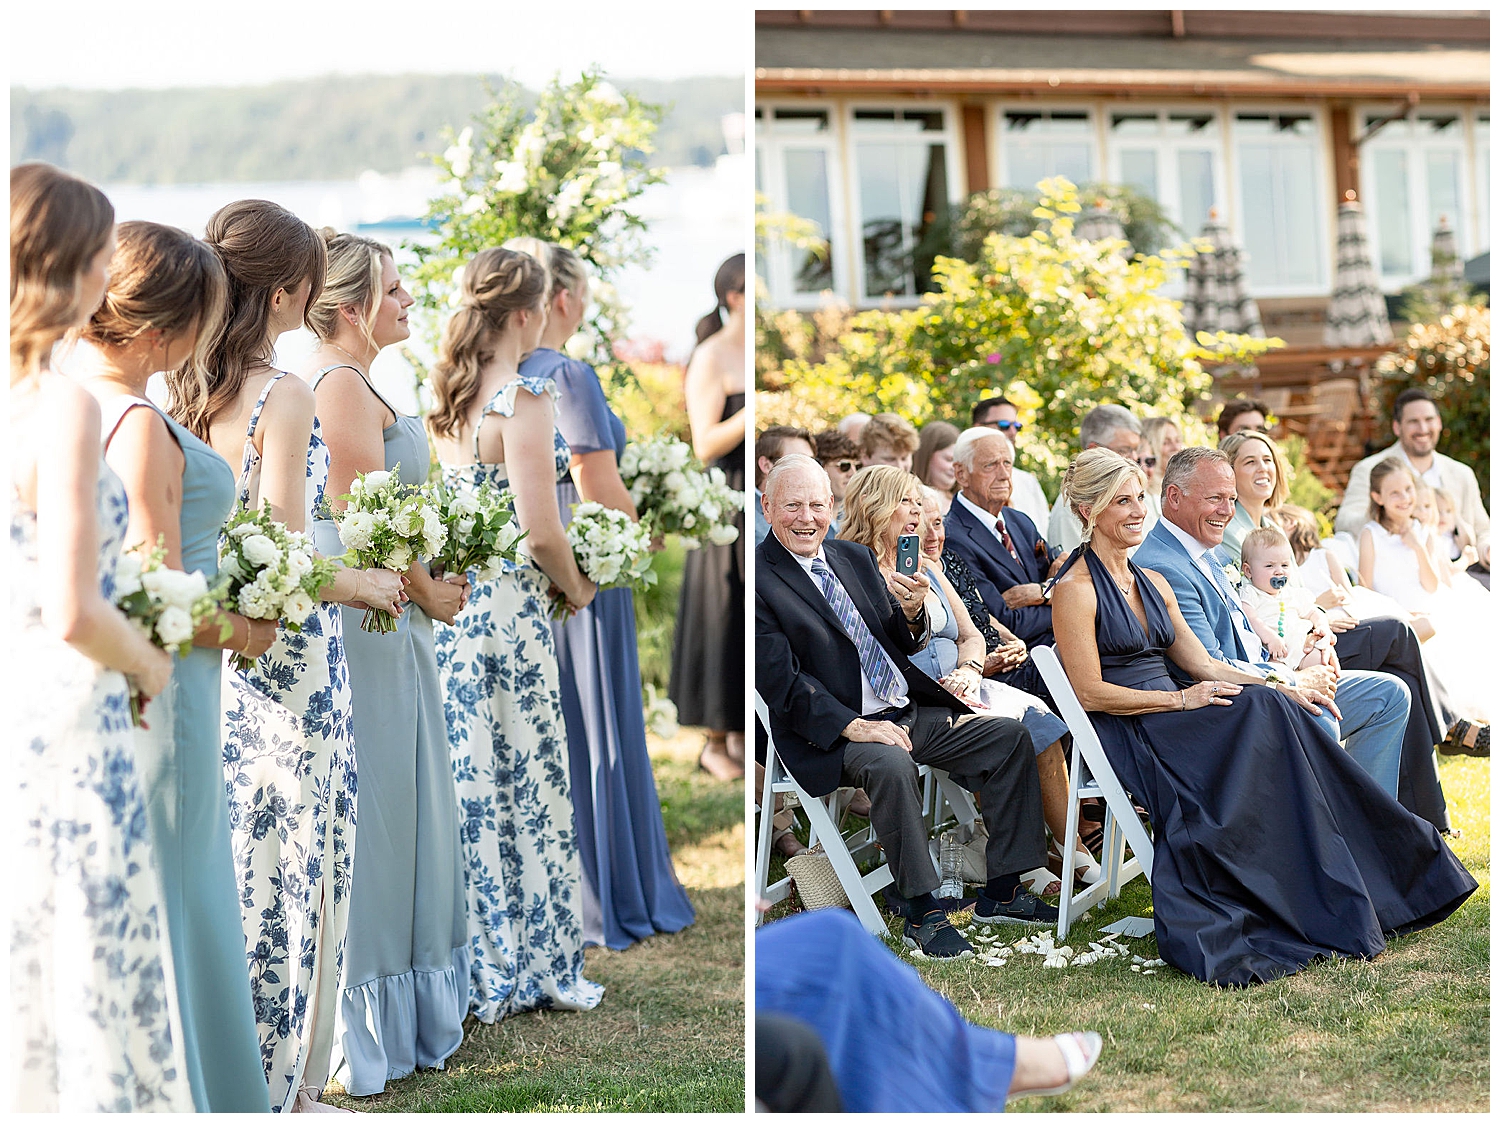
318	377
114	411
260	403
503	402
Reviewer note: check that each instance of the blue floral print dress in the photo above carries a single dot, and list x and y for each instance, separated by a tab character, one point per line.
94	1022
289	769
498	668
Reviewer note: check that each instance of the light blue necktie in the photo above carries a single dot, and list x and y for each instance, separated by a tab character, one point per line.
872	660
1215	567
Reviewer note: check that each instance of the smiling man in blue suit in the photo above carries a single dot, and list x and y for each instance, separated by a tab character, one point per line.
1198	497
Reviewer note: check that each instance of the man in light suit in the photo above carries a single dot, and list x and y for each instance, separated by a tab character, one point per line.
1010	559
1198	495
847	708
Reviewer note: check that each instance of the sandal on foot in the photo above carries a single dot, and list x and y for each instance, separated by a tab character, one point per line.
1079	1052
1042	882
788	845
1468	738
1086	868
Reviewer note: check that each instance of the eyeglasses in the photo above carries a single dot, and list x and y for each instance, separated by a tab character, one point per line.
1004	426
841	465
1148	462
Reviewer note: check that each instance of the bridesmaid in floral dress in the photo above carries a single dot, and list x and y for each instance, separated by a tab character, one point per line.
93	1017
288	728
498	663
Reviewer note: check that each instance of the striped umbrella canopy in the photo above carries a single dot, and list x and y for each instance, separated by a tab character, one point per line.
1447	266
1218	299
1356	315
1097	223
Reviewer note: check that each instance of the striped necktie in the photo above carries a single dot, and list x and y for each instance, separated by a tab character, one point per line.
872	660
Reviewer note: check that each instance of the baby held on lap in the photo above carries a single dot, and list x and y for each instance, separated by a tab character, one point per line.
1281	614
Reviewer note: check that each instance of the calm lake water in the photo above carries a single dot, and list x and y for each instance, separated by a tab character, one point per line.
697	217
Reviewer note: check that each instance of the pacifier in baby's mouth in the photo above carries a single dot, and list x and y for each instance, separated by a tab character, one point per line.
1279	583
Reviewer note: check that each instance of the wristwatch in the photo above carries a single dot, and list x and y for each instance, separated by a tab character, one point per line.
975	663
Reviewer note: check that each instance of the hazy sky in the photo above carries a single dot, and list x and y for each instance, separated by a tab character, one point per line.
162	43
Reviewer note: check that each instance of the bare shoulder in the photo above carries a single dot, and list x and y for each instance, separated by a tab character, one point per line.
291	399
1076	582
66	409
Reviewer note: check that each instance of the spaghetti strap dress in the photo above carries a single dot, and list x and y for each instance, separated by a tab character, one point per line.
406	956
93	1019
708	645
1273	848
289	769
182	756
509	752
630	890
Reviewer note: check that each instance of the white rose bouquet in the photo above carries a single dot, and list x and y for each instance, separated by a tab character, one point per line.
613	551
676	495
274	573
167	606
481	529
387	525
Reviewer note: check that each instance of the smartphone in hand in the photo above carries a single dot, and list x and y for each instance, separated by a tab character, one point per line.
908	554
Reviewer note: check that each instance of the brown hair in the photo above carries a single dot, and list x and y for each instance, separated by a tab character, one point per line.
1230	446
772	440
830	444
160	277
1236	406
1378	475
496	283
264	247
1301	528
353	280
730	278
934	437
57	224
890	431
870	500
564	267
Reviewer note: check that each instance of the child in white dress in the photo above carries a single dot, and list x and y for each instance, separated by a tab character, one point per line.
1281	613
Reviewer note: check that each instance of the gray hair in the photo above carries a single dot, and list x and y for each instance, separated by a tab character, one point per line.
963	448
1184	465
932	495
793	462
1102	422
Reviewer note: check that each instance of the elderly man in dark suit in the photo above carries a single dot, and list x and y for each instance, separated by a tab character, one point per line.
1010	560
847	708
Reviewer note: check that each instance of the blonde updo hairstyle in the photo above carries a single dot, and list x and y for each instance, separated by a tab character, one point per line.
496	284
355	265
565	272
870	500
57	224
1093	480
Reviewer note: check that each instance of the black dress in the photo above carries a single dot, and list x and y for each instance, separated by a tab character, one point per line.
1272	847
708	646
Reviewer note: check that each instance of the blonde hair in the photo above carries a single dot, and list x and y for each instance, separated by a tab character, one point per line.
1231	446
870	500
353	281
1262	537
1301	528
495	284
888	430
58	223
1093	479
565	272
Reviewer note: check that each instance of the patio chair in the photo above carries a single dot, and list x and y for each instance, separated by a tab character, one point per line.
1090	776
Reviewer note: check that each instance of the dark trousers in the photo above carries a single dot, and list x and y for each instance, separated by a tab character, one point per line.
1387	644
991	756
791	1067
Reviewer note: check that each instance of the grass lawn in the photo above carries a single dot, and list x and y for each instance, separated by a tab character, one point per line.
670	1034
1408	1031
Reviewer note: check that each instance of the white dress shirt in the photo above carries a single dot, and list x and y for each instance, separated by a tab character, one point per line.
869	701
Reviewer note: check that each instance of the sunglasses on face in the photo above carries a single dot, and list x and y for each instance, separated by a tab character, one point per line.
1148	462
1005	426
842	465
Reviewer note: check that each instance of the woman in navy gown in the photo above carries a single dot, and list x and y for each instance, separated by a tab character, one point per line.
1272	847
630	888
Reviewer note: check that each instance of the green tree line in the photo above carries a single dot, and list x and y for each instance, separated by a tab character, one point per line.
324	128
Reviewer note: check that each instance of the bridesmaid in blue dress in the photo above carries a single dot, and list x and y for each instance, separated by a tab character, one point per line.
1273	849
630	889
181	491
92	1021
406	954
498	664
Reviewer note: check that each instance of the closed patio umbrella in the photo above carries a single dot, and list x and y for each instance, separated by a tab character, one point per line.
1356	315
1218	298
1447	266
1097	223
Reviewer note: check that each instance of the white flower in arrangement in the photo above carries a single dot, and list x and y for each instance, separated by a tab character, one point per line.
260	550
401	558
127	575
298	564
357	530
407	521
173	587
244	530
723	534
371	481
298	606
531	145
568	200
474	204
256	602
175	626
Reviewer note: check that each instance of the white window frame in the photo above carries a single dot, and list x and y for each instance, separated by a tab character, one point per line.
1095	109
1324	207
1416	149
769	149
1166	148
949	137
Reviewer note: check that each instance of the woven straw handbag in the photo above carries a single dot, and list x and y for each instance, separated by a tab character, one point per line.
817	883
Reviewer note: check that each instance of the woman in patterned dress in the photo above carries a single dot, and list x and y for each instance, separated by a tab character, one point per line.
498	663
93	1018
288	734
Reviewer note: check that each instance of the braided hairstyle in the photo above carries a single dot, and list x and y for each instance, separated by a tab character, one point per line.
496	284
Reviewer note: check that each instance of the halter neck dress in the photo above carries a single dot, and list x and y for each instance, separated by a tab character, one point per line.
406	957
1273	848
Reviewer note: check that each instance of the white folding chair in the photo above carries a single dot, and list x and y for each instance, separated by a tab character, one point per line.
1121	824
822	818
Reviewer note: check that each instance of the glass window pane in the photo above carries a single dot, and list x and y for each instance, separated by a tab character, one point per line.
1393	212
934	205
1446	125
1190	124
880	190
807	195
1443	192
1195	178
1138	169
1134	124
1298	213
930	120
800	120
1027	163
1280	221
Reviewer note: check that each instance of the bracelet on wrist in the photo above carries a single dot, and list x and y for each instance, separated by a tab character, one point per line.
1183	693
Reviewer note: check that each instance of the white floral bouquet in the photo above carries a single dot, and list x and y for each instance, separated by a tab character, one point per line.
274	573
167	606
676	495
481	529
387	525
612	550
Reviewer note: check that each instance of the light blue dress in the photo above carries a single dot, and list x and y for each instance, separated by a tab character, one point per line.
289	767
508	746
630	890
182	758
93	1017
406	956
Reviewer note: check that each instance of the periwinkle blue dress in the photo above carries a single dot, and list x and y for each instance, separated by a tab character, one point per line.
181	758
1273	848
630	888
406	954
